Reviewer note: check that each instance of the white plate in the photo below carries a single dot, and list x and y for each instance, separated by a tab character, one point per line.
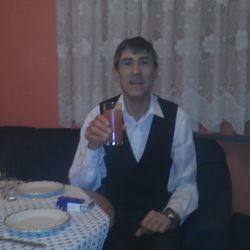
40	189
36	220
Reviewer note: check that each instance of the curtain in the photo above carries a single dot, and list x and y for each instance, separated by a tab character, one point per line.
202	47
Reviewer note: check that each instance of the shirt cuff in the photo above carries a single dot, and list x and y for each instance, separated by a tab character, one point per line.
92	156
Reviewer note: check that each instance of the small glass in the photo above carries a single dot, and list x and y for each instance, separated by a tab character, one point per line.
113	112
2	173
10	188
2	180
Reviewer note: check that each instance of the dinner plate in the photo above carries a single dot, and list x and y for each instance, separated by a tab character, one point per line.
40	189
36	220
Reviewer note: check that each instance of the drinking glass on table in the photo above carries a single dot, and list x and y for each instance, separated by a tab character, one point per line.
113	113
7	185
2	180
10	188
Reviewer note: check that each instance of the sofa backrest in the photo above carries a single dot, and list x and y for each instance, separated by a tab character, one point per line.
38	154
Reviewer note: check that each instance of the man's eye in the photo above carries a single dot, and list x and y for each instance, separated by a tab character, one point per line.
127	62
144	62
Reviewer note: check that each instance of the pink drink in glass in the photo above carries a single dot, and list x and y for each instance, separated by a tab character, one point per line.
113	113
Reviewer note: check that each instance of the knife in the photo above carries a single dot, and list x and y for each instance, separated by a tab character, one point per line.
23	242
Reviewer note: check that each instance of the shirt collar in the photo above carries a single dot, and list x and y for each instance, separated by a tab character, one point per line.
154	108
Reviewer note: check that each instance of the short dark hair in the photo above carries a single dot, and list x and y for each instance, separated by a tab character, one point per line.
135	44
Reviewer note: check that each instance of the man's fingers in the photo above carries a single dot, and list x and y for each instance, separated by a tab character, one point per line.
154	222
141	231
98	129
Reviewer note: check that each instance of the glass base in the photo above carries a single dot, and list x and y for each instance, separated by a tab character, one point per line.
113	143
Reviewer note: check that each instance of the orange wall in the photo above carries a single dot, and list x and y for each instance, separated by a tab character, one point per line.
28	71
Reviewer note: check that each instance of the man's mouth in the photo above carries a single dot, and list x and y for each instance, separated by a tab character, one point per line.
136	80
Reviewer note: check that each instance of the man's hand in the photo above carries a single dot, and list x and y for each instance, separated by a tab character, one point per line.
154	222
98	132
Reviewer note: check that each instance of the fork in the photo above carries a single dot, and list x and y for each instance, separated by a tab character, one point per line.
23	242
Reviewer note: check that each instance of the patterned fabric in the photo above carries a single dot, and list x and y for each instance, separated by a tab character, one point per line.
86	231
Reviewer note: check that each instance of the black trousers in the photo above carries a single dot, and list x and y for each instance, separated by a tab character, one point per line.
122	237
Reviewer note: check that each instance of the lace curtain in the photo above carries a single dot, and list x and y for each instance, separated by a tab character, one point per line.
202	47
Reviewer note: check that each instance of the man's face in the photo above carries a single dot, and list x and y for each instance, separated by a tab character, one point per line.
135	73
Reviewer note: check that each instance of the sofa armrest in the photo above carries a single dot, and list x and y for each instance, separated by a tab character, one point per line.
208	227
240	231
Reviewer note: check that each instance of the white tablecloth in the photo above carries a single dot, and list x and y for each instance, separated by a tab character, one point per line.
85	230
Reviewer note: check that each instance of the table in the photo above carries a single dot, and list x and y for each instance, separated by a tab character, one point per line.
85	230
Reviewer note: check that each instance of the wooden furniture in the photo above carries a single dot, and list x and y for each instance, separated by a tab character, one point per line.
104	203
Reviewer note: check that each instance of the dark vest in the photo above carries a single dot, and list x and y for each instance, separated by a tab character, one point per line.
142	184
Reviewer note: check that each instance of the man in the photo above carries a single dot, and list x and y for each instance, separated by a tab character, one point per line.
151	178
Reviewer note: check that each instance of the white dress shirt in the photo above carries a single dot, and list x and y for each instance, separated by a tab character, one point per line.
88	168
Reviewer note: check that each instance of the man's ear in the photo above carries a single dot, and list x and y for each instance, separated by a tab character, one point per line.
156	74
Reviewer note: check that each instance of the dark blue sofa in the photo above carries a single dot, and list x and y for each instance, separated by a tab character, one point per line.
46	154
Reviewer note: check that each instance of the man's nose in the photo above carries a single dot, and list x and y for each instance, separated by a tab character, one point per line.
136	68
